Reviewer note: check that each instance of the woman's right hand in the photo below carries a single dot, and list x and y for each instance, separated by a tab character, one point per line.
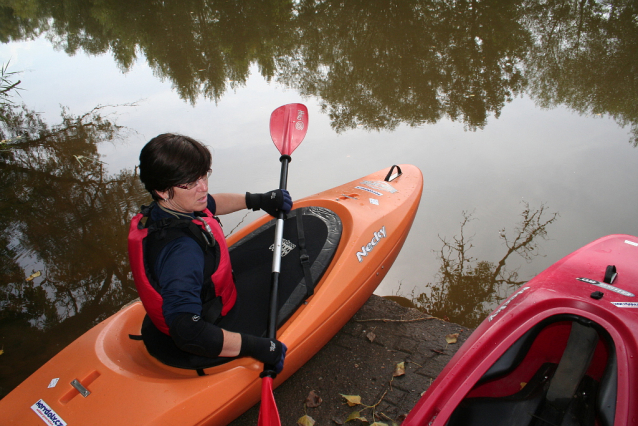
271	202
271	352
280	364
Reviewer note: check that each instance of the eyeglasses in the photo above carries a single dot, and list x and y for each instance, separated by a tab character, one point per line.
190	185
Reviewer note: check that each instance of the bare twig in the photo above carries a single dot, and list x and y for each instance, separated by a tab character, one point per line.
400	320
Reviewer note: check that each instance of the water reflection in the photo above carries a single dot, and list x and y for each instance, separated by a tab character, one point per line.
202	47
63	226
468	289
379	64
372	64
585	56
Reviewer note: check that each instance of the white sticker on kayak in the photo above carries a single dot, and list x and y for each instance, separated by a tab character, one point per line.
631	243
625	304
504	305
374	201
370	246
53	383
372	191
49	416
607	287
286	247
383	186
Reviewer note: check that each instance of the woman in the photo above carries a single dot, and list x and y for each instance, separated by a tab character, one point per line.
181	266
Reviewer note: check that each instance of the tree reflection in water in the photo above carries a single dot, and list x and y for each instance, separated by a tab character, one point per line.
585	56
371	64
412	62
61	215
467	289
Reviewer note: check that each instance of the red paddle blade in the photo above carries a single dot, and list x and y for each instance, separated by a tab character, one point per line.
288	127
268	413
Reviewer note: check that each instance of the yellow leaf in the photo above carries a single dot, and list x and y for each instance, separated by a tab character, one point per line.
34	275
451	338
1	351
355	415
306	420
352	399
399	369
379	424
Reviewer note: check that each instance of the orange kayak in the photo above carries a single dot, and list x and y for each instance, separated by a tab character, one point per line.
107	378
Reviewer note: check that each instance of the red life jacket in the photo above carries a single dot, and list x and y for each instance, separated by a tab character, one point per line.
222	277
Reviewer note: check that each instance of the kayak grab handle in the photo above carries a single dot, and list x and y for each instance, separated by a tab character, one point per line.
390	177
77	385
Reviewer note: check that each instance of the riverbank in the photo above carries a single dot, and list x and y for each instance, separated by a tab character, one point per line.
387	355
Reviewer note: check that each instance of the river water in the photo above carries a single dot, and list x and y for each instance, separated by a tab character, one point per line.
522	116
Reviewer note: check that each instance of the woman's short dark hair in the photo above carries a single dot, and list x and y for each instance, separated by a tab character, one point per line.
168	160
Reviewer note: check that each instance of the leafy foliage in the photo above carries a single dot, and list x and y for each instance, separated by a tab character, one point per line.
374	65
202	47
412	62
585	56
7	86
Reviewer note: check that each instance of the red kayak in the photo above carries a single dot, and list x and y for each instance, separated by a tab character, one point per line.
561	350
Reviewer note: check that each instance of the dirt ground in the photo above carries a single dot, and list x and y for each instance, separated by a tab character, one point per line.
363	360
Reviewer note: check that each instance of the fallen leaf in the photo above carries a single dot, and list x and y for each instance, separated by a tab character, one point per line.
451	338
355	415
1	351
371	336
352	399
399	369
523	384
33	275
306	420
313	400
379	424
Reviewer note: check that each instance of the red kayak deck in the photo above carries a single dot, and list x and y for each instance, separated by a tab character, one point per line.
127	386
565	325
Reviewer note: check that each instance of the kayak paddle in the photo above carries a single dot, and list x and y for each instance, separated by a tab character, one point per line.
288	127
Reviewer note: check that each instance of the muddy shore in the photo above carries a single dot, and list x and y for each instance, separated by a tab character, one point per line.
364	360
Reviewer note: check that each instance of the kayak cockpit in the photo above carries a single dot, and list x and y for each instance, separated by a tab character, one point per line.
310	240
563	371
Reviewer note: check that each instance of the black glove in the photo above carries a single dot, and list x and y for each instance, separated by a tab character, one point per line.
271	202
280	364
269	351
